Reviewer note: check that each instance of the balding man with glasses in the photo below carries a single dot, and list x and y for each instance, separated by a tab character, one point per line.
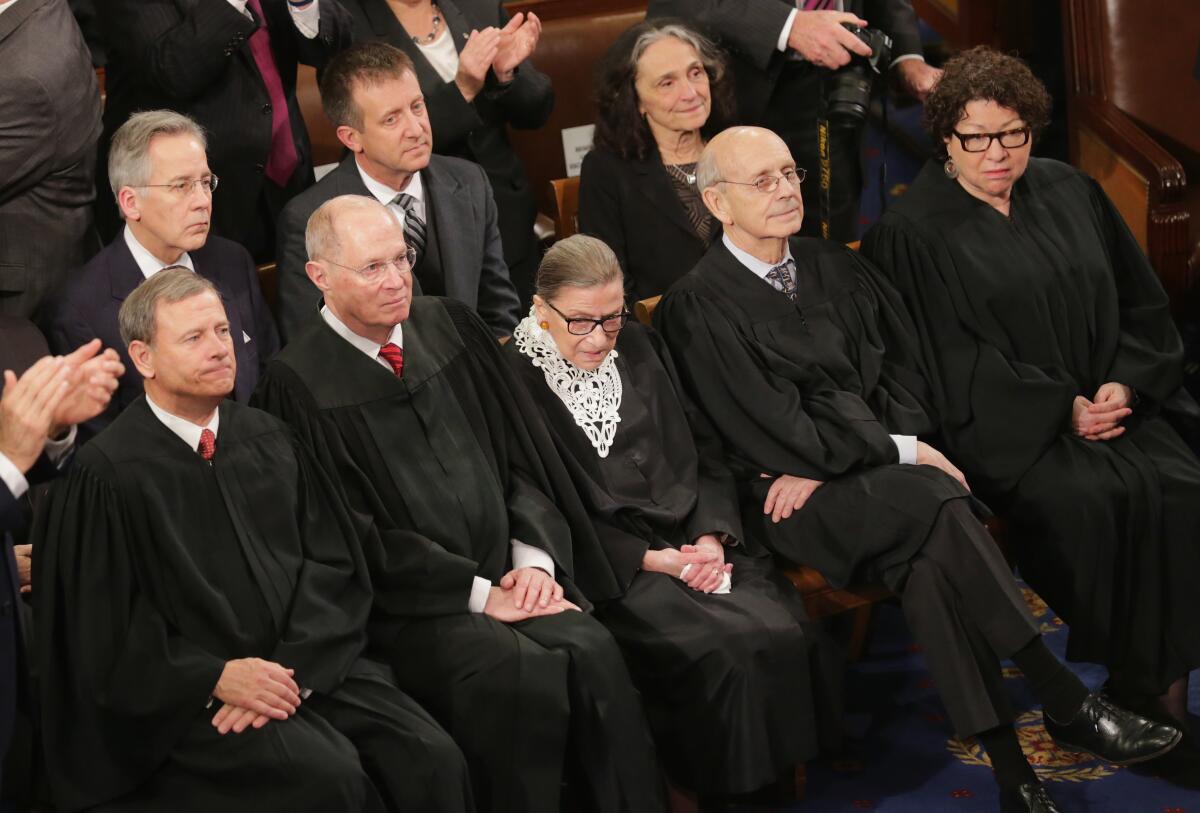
159	173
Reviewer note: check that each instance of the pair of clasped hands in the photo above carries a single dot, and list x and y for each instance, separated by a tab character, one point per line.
499	50
1100	418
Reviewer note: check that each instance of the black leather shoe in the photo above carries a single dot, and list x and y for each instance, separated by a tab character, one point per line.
1111	733
1030	797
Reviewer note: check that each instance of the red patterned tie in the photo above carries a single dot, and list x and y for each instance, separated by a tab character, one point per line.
393	355
815	5
208	444
282	159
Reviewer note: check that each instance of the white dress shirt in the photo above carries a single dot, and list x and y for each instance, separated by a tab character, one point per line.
906	445
187	431
523	555
147	262
307	17
56	450
5	6
385	194
782	44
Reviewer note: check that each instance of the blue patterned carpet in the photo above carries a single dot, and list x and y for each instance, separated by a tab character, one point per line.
905	760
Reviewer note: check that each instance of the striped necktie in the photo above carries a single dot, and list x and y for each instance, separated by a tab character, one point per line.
414	226
783	277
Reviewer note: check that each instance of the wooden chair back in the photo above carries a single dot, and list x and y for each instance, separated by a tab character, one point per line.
566	206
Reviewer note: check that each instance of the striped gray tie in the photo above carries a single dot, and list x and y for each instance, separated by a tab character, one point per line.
414	226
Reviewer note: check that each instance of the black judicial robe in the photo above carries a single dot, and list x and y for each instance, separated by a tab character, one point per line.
154	569
446	463
812	389
742	658
1015	317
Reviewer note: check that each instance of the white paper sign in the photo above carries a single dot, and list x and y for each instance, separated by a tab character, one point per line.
577	142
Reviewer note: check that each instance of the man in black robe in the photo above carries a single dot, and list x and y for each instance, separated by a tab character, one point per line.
409	401
792	348
203	603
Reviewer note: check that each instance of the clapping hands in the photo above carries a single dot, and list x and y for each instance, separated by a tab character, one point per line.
499	50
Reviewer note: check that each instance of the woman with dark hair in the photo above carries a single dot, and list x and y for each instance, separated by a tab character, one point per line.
717	640
472	62
661	90
1050	351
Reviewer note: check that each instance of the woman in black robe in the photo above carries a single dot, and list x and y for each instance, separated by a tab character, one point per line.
716	639
1050	352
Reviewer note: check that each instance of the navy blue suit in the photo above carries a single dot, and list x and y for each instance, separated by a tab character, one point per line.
88	306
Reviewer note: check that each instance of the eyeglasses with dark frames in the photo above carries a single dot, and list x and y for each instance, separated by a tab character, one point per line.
373	272
980	142
186	186
767	184
579	326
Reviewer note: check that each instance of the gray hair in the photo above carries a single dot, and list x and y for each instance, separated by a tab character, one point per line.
321	234
139	310
708	173
129	154
577	261
709	53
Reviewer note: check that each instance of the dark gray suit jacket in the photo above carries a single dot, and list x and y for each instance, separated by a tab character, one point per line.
468	239
50	104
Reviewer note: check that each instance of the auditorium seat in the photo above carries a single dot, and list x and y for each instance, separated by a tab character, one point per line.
565	192
1131	126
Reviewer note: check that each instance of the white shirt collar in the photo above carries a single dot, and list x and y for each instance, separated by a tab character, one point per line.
364	344
147	262
6	6
753	263
385	194
187	431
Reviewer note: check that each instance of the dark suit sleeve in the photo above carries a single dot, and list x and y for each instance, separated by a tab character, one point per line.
298	297
263	332
334	34
180	51
26	152
750	27
897	19
498	303
526	101
451	117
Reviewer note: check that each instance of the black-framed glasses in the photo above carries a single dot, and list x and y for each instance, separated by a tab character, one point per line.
980	142
186	186
373	272
767	184
579	326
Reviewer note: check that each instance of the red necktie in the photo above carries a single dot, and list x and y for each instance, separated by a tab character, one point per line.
814	5
282	159
208	444
394	356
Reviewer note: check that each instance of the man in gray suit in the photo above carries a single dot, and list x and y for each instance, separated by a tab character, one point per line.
51	111
371	94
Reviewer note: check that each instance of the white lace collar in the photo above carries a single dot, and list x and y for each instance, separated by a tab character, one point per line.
593	397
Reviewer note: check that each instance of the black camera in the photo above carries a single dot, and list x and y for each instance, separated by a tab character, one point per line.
850	88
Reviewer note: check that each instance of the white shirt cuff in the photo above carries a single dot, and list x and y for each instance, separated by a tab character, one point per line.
12	476
787	31
906	57
240	5
479	595
57	450
307	18
906	446
528	556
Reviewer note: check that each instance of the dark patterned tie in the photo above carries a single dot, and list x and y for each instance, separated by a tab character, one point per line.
208	445
783	277
816	5
393	354
414	226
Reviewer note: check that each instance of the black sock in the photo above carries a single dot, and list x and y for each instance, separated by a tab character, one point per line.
1053	683
1008	760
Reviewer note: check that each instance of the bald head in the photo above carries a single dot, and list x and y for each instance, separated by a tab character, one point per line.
359	261
731	164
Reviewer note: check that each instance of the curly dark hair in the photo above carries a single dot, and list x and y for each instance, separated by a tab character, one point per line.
983	73
621	128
